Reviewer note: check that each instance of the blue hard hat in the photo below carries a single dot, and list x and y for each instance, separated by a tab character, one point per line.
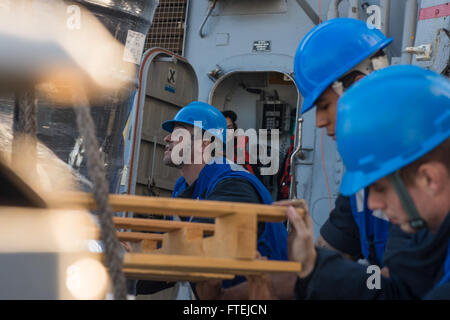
211	118
329	51
388	120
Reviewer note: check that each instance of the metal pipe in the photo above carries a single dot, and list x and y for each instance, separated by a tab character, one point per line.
385	16
212	5
409	30
353	9
333	9
186	19
297	152
309	11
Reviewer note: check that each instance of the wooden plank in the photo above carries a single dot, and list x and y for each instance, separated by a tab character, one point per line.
156	225
170	206
207	264
130	236
185	241
143	246
26	229
139	236
169	276
24	193
235	237
148	246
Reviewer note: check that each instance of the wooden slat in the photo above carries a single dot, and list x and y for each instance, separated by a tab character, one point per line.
184	242
156	225
170	206
165	275
128	236
139	236
235	237
207	264
25	229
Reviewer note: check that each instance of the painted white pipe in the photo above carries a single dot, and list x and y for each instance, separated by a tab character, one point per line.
333	9
385	16
353	10
409	30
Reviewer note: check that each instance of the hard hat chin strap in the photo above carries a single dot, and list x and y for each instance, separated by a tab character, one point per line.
415	221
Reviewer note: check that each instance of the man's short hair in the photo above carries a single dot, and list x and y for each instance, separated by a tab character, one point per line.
230	114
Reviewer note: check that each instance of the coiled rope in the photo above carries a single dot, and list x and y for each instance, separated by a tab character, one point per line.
97	173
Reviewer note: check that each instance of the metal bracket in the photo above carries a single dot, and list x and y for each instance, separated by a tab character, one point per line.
215	73
296	153
422	52
305	156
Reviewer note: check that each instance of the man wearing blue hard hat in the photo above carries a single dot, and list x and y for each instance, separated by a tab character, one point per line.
393	133
330	58
195	130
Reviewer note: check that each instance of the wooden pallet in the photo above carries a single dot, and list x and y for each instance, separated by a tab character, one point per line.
174	250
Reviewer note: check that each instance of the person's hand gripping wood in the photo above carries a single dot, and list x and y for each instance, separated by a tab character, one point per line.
301	239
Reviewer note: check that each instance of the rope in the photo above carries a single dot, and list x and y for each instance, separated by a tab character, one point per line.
24	144
97	173
25	113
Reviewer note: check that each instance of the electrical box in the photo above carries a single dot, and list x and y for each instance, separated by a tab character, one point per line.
274	114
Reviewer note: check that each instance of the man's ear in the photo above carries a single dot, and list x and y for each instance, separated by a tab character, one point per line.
432	177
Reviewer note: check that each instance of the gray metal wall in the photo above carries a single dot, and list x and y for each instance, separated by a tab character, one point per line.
229	36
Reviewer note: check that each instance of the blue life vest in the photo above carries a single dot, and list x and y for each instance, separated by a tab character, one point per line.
373	231
446	277
272	243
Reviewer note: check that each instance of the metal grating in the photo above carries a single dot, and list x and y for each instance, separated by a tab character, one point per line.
167	30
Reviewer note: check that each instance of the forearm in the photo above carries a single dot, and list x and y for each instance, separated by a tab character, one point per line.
283	285
337	278
237	292
322	243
